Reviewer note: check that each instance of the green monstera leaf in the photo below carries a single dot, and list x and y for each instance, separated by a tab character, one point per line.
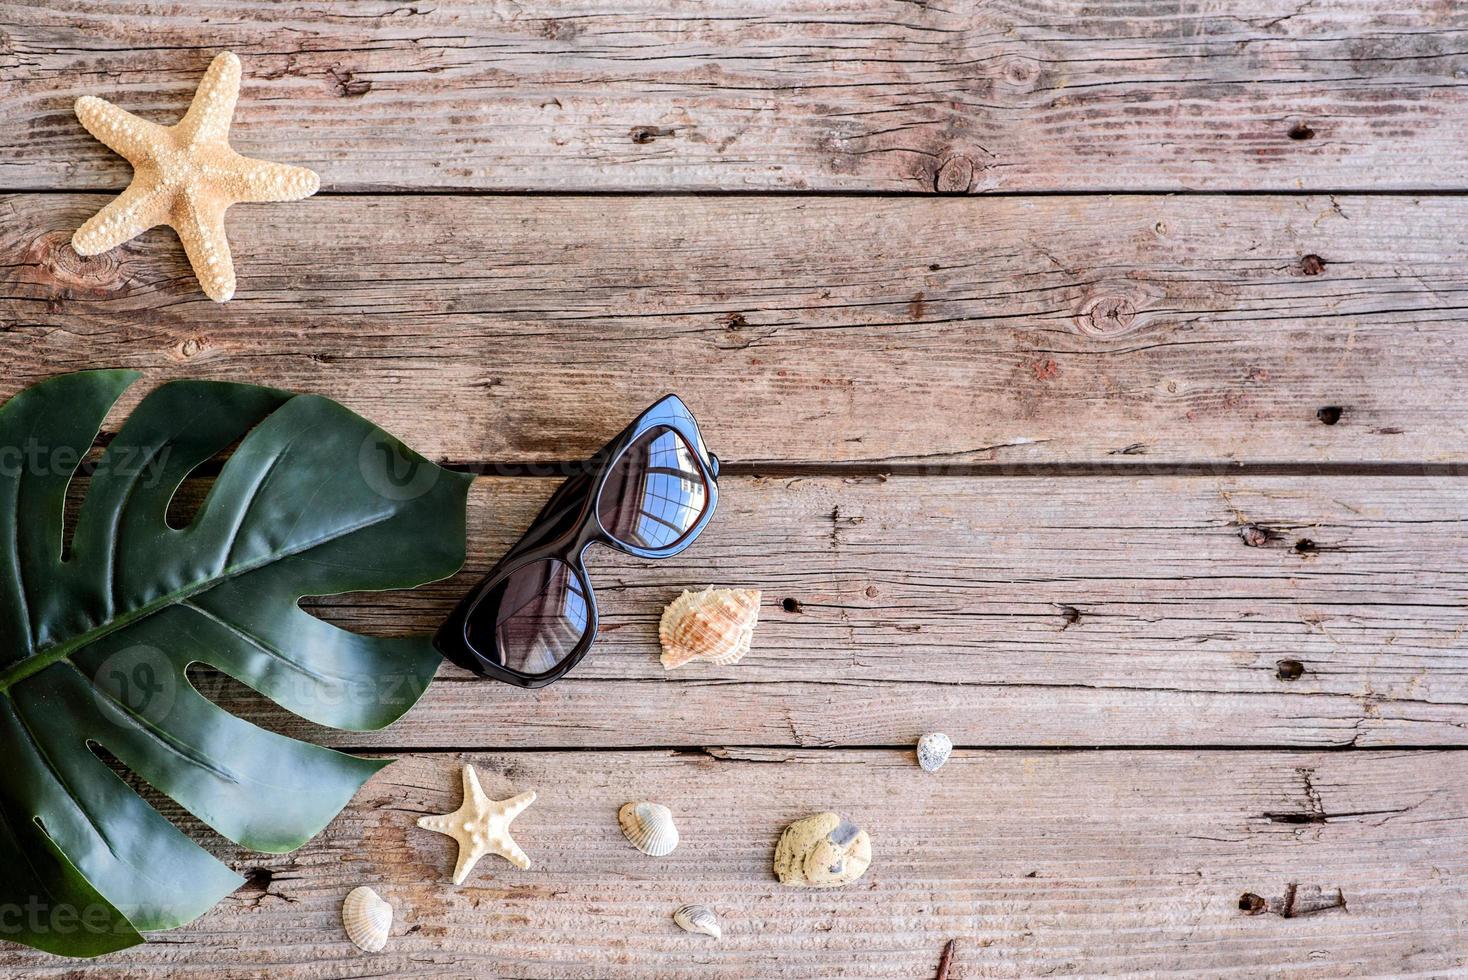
98	634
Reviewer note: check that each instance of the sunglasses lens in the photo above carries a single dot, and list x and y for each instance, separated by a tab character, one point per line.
533	619
655	493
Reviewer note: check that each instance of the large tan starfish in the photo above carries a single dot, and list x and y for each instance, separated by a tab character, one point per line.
185	176
481	826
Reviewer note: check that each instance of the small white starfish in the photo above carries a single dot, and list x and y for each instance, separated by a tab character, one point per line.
185	176
481	826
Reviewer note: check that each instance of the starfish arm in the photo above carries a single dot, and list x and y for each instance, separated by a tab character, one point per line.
142	206
472	790
123	133
512	853
262	180
515	804
209	115
441	823
200	225
468	857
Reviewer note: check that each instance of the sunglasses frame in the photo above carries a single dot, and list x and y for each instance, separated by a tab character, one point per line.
571	536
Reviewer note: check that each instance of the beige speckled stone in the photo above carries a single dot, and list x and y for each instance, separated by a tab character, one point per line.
185	176
822	851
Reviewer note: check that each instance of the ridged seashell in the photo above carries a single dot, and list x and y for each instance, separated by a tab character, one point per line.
716	625
649	826
933	750
822	851
698	918
367	918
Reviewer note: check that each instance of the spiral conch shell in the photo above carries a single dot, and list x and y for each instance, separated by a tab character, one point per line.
698	918
649	826
367	918
716	625
822	851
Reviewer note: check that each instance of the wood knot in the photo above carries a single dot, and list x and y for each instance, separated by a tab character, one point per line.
955	175
72	275
1020	73
348	85
190	347
1107	316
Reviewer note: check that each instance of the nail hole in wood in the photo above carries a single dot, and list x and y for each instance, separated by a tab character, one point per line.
1329	414
1300	131
791	605
1251	903
1305	546
643	135
1289	670
1254	536
258	880
1312	265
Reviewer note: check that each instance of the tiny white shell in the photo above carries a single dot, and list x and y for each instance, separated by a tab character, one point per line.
649	826
933	750
367	918
698	918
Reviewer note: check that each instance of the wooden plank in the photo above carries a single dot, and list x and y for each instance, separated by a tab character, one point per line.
1040	864
882	332
781	94
1014	612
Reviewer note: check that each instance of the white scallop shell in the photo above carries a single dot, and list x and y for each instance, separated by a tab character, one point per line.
649	826
698	918
367	918
933	750
822	851
716	625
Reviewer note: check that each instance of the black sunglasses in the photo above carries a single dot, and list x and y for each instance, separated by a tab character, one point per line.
648	492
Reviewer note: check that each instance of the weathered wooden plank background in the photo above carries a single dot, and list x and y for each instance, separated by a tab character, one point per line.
1175	476
888	332
1045	863
1018	611
771	94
